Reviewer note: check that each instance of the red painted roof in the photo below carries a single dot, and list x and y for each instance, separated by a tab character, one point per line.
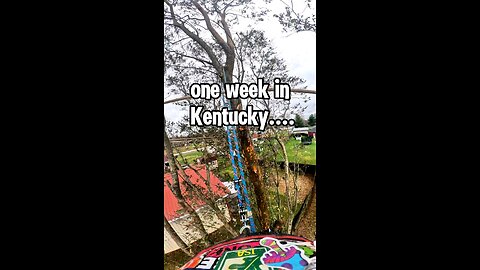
171	205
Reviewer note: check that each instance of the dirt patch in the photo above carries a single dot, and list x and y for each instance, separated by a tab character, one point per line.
304	185
308	224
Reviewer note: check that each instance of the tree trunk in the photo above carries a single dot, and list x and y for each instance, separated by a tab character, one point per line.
251	163
176	190
255	177
287	184
277	181
176	238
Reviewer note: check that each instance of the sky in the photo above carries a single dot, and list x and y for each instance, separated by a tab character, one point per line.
297	49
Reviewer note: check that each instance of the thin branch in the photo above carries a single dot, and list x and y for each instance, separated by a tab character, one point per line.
192	57
212	30
197	68
196	38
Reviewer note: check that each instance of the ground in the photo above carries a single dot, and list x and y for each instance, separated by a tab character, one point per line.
176	259
307	224
297	153
191	157
309	221
304	183
301	154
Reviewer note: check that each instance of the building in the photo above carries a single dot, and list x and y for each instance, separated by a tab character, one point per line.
299	132
210	159
312	132
180	220
166	166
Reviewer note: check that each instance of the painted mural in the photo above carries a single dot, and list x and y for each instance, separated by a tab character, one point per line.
267	252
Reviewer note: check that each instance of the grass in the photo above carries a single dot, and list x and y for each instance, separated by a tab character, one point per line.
301	154
297	153
228	170
188	147
191	157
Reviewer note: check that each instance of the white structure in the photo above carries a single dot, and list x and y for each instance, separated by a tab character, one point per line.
180	220
299	132
183	226
230	186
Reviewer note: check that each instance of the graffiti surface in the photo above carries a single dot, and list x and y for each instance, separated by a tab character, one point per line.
217	252
257	253
288	257
248	259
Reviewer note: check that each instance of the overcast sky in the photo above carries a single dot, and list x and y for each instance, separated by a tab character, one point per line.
298	50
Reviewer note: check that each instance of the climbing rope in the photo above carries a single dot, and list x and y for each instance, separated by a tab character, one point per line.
245	210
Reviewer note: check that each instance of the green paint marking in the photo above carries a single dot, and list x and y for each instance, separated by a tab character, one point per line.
253	262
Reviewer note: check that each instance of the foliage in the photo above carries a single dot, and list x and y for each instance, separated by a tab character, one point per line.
301	154
299	121
312	120
202	46
295	21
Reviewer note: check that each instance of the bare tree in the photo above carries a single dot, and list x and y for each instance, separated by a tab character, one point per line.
176	190
207	195
256	58
217	56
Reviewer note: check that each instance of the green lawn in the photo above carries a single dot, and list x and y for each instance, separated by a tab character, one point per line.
188	147
298	153
190	157
226	164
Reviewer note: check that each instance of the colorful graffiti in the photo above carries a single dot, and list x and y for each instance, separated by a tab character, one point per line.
217	252
288	257
257	253
248	259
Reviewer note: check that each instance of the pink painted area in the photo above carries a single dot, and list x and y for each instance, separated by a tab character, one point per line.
273	257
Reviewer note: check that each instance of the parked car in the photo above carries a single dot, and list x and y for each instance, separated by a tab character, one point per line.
299	136
307	140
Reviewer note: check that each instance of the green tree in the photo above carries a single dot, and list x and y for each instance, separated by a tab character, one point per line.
299	122
312	120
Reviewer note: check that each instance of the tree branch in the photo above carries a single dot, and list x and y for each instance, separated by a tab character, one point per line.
197	39
210	27
192	57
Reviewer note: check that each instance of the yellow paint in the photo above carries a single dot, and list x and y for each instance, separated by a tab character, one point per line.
245	252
